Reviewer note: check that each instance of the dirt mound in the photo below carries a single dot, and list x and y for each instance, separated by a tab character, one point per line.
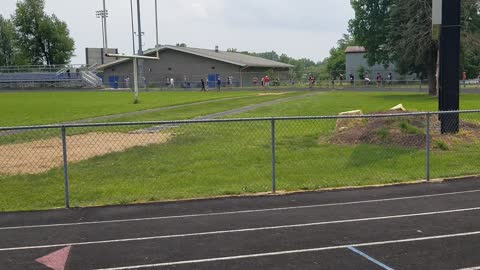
44	155
408	131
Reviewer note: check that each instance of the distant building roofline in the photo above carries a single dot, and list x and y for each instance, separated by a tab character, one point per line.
233	58
355	49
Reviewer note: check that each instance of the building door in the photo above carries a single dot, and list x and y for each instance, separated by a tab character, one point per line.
212	80
113	81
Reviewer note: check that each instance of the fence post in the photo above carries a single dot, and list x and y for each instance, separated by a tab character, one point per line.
65	168
428	147
274	176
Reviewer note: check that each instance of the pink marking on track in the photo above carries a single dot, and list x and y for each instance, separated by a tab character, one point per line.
56	260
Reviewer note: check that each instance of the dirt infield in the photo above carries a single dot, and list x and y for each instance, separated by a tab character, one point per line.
44	155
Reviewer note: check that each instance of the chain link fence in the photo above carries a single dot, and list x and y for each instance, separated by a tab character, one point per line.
118	163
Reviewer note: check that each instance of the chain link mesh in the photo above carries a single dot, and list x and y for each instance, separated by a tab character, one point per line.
144	162
455	144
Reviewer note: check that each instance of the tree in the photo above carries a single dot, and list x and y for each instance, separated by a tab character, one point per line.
410	41
400	31
43	39
370	28
335	63
7	38
470	57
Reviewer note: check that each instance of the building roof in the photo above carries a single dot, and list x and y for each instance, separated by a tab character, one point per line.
355	49
233	58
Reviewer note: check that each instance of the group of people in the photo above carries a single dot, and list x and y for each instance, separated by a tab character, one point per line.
264	82
379	79
465	78
218	83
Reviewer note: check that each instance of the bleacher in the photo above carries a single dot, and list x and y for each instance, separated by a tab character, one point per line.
37	77
46	77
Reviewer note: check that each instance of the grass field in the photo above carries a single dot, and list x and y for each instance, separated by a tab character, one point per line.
29	108
204	160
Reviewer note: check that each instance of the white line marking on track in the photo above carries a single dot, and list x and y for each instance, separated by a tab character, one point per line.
249	256
239	212
239	230
471	268
377	262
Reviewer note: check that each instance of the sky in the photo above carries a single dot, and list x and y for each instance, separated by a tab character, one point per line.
299	28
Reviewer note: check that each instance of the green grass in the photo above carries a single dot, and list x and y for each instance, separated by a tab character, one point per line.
30	108
206	160
183	113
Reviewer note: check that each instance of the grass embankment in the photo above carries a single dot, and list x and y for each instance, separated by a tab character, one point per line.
205	160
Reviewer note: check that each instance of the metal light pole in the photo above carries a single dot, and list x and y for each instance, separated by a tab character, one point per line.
105	12
156	26
140	49
133	27
102	15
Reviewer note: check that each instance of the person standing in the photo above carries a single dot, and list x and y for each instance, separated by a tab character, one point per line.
464	78
202	81
219	84
127	82
352	79
379	80
390	78
172	83
229	81
68	73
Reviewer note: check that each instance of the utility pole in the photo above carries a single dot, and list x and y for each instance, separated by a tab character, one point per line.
140	49
449	72
105	25
133	26
156	26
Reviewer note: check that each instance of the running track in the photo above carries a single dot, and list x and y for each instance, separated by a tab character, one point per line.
424	226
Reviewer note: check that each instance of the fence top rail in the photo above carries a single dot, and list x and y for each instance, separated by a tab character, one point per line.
231	120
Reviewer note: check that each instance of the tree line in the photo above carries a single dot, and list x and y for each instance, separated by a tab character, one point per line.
32	37
400	32
302	68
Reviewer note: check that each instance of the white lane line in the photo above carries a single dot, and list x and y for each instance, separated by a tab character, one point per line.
471	268
238	230
377	262
249	256
239	212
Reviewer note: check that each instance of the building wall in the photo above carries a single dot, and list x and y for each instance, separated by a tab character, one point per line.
354	62
97	56
181	67
184	69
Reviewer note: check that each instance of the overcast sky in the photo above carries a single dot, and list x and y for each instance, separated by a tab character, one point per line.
299	28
